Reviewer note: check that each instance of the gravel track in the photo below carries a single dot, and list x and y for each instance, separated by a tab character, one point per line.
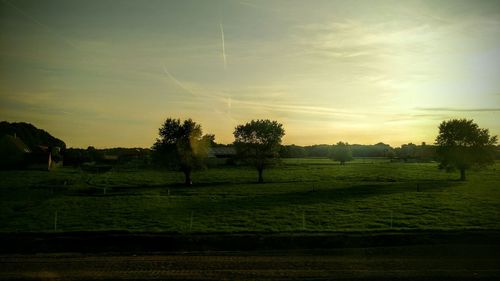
438	262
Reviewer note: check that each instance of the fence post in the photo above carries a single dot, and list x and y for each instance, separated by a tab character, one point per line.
391	219
191	221
303	221
55	221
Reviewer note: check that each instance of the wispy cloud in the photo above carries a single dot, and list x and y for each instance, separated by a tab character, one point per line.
269	106
50	104
44	26
389	38
249	4
229	102
456	109
258	7
297	109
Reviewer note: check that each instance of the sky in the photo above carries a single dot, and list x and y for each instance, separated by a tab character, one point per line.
108	73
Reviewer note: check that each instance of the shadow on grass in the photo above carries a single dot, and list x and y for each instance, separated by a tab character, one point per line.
138	190
323	195
313	191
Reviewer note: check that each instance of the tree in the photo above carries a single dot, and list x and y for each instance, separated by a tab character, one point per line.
461	144
426	152
407	151
30	135
292	151
182	146
258	143
341	152
375	150
318	150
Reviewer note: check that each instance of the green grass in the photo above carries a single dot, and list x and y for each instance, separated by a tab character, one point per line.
302	195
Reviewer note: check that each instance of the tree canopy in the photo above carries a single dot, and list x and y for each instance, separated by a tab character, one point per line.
341	152
258	143
462	144
30	135
181	145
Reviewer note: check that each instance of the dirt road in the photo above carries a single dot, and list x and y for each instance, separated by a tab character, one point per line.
437	262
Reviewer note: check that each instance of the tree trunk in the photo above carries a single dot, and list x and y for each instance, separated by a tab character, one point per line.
261	179
462	174
187	174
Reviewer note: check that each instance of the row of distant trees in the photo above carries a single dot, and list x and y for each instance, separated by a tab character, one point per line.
341	152
460	145
407	152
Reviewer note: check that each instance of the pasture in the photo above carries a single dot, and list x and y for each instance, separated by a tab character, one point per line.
299	195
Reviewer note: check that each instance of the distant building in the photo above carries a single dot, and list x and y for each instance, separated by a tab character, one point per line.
221	152
221	155
131	154
107	158
15	154
44	158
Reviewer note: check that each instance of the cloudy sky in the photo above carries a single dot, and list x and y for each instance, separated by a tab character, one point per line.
108	73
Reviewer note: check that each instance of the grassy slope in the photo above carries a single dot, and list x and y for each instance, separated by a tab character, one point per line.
302	195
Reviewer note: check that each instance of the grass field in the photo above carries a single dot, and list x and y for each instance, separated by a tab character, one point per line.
301	195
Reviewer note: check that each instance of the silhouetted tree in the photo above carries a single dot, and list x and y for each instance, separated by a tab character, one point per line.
94	154
407	151
30	135
462	144
376	150
258	143
318	150
211	139
420	153
181	145
292	151
383	150
341	152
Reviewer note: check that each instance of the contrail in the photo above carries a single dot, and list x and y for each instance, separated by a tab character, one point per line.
187	89
177	81
231	102
223	45
34	20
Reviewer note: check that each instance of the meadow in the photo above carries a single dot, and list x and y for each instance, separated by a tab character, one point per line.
299	195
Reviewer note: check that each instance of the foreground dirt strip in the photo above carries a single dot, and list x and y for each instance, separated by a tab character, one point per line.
125	242
439	262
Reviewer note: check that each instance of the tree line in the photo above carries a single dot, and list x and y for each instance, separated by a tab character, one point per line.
407	152
461	144
121	155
